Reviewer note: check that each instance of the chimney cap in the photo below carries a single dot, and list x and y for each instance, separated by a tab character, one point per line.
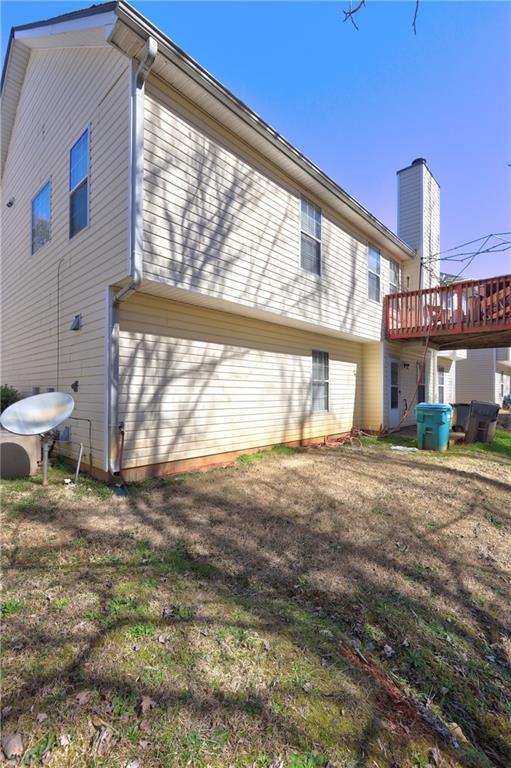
420	161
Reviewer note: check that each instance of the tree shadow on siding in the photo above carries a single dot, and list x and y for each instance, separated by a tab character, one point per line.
215	236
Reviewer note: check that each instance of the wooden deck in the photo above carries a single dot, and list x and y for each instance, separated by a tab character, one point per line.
472	314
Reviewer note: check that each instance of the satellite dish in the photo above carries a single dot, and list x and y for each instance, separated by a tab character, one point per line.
38	415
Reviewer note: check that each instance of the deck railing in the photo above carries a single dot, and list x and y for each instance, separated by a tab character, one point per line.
464	307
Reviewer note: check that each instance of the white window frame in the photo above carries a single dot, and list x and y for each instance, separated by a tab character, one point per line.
421	381
312	237
372	272
325	382
397	265
441	383
46	183
87	130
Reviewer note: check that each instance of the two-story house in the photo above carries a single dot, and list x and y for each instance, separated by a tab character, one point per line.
197	284
485	374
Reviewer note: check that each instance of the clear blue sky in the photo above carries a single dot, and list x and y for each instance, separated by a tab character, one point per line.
364	104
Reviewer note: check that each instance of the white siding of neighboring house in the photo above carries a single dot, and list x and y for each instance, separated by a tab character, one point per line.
196	382
63	92
220	222
475	376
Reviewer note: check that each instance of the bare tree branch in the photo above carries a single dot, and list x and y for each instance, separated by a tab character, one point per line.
352	11
414	22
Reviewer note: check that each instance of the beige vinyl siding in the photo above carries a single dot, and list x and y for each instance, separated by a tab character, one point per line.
221	222
372	379
65	91
196	382
475	376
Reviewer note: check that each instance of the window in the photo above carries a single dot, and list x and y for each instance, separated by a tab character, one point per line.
421	383
502	386
394	384
373	266
310	245
79	184
319	381
394	277
441	384
41	215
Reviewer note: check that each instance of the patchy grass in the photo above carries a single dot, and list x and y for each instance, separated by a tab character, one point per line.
340	607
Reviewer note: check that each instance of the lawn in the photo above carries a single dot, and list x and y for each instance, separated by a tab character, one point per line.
340	607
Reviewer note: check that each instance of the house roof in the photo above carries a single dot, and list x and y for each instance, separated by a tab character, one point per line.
127	29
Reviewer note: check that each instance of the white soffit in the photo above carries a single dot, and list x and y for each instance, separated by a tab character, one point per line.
74	33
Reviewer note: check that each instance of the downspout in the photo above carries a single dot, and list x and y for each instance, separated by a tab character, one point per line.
136	253
137	171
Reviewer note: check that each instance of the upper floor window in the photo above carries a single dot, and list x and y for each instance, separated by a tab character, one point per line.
79	184
373	267
394	277
41	216
310	247
319	381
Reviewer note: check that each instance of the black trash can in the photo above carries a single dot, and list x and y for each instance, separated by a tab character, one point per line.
461	413
482	422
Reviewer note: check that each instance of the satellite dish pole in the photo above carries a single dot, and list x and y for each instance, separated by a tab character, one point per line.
38	415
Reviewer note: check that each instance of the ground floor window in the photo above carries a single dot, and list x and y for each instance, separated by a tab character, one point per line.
441	384
501	386
320	366
421	383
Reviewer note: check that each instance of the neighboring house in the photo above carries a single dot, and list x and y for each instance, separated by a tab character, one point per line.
484	375
199	285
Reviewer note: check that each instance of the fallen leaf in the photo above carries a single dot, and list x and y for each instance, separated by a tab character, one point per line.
64	740
146	704
83	697
101	741
145	726
12	745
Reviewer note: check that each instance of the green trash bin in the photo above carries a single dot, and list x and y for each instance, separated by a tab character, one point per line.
433	426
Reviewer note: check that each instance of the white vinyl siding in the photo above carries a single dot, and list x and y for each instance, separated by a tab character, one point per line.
92	84
196	382
222	224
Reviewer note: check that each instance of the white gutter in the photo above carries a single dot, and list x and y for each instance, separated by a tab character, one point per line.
136	255
136	233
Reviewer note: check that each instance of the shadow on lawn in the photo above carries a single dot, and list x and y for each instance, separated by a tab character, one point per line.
288	552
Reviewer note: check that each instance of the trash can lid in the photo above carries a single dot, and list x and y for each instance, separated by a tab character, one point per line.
433	407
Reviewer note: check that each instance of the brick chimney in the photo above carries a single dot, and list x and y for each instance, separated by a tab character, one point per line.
418	222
